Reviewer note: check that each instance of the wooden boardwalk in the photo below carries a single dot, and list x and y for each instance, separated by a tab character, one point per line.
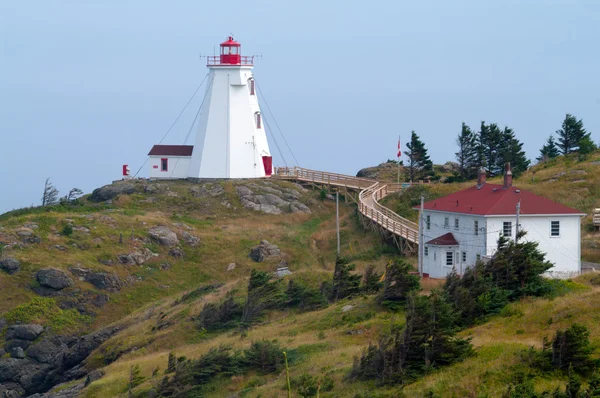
403	231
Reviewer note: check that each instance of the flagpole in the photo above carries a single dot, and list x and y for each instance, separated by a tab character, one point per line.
398	159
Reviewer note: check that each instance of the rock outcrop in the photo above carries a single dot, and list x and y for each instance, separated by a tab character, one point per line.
264	251
163	236
53	279
101	280
53	360
111	191
10	265
271	200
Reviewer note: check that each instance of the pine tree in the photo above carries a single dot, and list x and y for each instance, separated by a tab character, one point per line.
372	280
171	363
135	378
511	151
488	145
419	163
549	150
466	157
398	283
50	196
571	134
345	283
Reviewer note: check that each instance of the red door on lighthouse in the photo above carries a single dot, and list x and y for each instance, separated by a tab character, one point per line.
268	163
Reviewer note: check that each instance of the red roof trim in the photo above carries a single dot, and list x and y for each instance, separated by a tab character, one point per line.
444	240
171	150
495	200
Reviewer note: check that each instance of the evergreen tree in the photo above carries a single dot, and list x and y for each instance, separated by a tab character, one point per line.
419	163
549	150
262	294
586	145
571	347
50	195
135	378
372	280
571	134
345	283
171	363
489	142
466	157
398	283
511	151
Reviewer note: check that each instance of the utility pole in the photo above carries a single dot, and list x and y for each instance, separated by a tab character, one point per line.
337	220
517	226
421	248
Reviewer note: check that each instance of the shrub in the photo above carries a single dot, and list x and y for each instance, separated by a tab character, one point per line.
223	315
304	297
571	347
323	194
67	230
264	356
306	385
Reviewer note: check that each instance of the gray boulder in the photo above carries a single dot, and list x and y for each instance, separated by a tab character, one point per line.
101	280
10	265
264	251
176	252
17	352
164	236
190	239
24	332
53	279
6	393
111	191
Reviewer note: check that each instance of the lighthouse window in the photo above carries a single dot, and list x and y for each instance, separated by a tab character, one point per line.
234	50
164	164
251	86
258	121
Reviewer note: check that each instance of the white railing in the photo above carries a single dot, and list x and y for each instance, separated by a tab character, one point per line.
371	192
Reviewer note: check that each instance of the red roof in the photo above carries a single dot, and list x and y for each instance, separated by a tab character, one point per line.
171	150
444	240
230	42
495	200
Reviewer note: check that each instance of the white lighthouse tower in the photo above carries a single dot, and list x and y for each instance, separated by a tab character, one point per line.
230	141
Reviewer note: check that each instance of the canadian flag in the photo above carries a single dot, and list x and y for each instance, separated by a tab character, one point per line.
399	151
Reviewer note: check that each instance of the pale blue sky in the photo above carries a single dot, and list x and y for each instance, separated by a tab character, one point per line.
86	86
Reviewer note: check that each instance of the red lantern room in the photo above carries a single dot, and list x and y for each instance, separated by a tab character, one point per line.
230	52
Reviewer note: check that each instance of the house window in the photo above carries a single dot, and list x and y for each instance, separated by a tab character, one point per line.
456	223
554	228
434	256
426	250
258	121
428	222
449	258
476	226
507	228
446	222
164	164
464	257
251	81
478	257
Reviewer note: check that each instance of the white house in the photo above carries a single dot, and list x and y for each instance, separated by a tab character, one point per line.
231	141
463	227
170	161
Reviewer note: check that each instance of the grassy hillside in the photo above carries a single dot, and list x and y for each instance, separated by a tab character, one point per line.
159	304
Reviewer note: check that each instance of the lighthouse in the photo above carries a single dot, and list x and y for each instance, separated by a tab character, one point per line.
230	138
230	141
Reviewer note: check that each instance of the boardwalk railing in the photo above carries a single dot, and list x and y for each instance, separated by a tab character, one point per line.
371	192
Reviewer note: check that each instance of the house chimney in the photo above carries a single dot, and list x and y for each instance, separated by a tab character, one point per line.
507	176
480	177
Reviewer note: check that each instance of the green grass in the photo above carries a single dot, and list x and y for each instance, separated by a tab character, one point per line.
45	311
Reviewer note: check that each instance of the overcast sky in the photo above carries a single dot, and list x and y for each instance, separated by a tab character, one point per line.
86	86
